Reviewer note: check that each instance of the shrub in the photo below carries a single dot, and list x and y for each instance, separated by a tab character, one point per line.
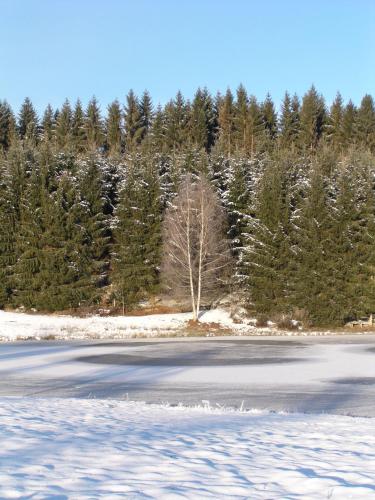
262	321
285	322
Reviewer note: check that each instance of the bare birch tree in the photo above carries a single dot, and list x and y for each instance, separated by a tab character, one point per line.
196	250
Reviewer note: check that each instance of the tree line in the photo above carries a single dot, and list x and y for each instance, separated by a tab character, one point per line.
232	123
84	198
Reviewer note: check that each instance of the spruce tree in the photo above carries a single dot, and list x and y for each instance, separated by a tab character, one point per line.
334	127
202	124
28	121
366	122
114	127
356	206
7	125
63	129
25	272
349	124
226	123
313	281
133	125
8	224
94	214
48	124
267	252
238	200
137	235
256	128
158	133
241	120
64	271
269	117
146	114
94	126
289	121
79	129
313	119
173	124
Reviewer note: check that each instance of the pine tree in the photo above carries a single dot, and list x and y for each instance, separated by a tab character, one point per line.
137	235
266	254
269	119
79	129
241	120
25	271
48	124
146	114
313	279
356	207
65	271
114	128
349	124
202	124
63	129
158	139
238	200
173	125
133	125
289	121
95	208
226	123
313	118
28	122
8	220
366	122
7	125
94	126
334	127
256	128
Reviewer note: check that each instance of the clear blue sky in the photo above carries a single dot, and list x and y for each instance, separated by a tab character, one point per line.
52	49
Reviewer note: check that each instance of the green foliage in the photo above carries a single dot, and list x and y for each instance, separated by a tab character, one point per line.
267	252
298	189
63	129
289	121
94	125
7	125
133	123
366	122
28	122
312	119
48	124
137	236
114	128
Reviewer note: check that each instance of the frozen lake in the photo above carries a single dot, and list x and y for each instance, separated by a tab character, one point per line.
306	374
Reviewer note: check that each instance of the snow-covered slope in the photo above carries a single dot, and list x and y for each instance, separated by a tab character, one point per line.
110	449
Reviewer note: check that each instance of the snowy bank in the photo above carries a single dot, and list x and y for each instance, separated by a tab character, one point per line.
21	326
14	325
106	449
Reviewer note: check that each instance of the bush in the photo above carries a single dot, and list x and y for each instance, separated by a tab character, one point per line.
302	316
262	321
285	322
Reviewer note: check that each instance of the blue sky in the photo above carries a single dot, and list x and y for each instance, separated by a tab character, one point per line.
52	49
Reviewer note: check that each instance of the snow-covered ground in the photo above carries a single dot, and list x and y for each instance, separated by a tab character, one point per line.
64	448
16	326
91	448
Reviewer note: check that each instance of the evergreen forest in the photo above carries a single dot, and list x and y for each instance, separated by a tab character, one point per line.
83	193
